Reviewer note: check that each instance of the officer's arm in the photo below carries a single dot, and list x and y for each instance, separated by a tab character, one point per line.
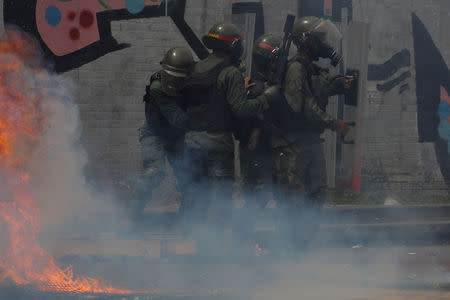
314	113
320	85
172	112
235	94
300	98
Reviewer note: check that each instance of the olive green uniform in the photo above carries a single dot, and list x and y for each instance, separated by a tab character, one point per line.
320	82
298	157
161	138
211	152
298	148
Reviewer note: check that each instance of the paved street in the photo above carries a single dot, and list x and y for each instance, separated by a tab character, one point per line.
356	273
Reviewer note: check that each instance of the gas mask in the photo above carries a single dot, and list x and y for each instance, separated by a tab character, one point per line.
326	51
328	39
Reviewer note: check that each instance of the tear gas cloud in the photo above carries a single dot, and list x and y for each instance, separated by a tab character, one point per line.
48	161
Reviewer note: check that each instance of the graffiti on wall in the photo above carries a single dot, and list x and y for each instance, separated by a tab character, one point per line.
75	32
433	86
68	26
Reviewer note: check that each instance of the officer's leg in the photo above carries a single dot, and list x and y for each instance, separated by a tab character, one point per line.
316	191
256	192
175	158
196	190
290	178
318	177
154	165
219	212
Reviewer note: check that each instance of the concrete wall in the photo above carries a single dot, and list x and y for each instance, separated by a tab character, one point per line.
111	88
395	163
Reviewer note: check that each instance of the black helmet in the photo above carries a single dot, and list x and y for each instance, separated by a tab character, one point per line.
318	37
266	50
177	63
226	37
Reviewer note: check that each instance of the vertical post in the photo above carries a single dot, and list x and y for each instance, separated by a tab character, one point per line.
340	103
249	37
356	58
247	23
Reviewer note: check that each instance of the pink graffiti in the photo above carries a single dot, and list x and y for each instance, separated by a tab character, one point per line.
78	26
328	8
445	98
444	95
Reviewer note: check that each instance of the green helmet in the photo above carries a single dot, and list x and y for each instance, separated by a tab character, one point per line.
176	64
318	37
226	37
266	50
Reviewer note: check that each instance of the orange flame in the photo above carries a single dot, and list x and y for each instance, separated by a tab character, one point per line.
22	259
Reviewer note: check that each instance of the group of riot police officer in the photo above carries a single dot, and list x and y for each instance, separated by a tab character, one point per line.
196	111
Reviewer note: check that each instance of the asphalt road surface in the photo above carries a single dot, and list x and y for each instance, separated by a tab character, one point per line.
354	273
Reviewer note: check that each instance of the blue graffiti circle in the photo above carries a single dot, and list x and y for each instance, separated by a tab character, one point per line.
444	110
135	6
53	15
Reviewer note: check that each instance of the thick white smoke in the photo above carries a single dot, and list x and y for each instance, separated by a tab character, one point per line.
41	170
57	161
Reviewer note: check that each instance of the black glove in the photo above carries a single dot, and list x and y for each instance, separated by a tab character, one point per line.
147	97
341	85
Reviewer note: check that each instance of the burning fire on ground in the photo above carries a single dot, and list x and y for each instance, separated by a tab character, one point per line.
22	126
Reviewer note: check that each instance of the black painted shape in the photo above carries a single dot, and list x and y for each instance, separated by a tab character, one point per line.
431	73
177	15
390	67
194	42
252	7
22	14
386	87
403	89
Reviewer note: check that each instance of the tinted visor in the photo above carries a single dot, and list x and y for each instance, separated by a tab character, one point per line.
172	81
327	33
330	39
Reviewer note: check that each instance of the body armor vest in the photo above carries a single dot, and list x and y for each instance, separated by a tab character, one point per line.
205	101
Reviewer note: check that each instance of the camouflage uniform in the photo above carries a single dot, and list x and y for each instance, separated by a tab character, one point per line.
298	157
321	80
256	166
161	138
256	153
298	148
211	152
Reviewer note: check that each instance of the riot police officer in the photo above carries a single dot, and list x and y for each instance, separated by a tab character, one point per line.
316	44
255	152
215	93
161	135
299	162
